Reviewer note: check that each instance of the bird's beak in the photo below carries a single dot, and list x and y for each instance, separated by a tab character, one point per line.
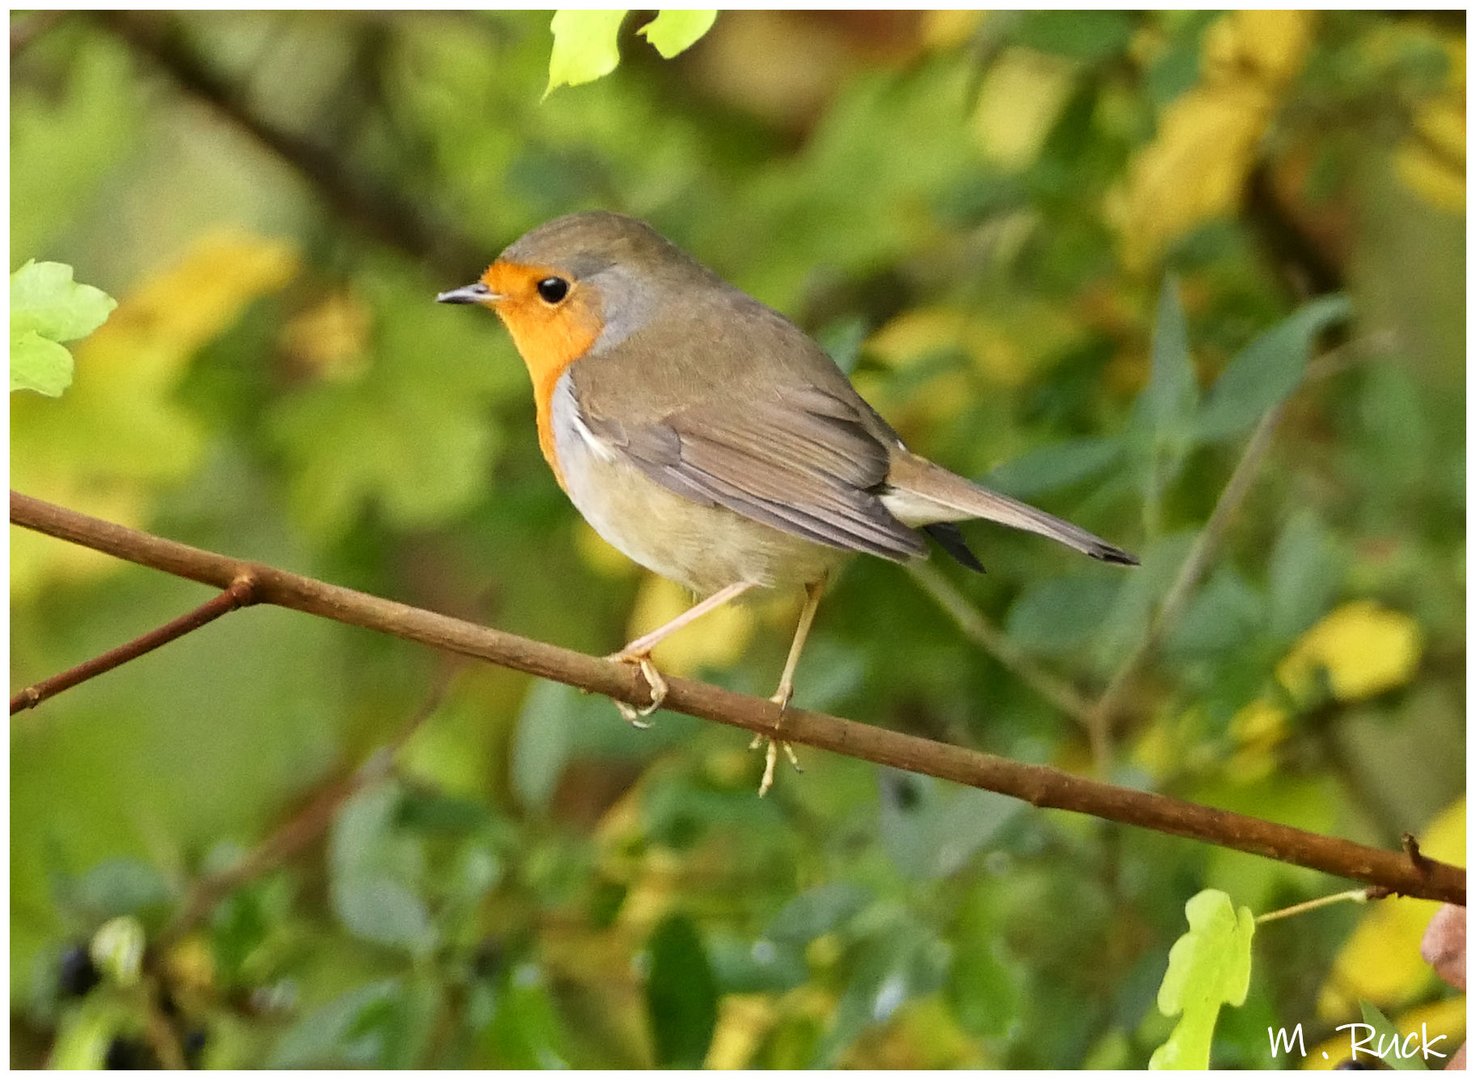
475	293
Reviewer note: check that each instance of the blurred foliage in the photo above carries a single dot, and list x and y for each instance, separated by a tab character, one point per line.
977	215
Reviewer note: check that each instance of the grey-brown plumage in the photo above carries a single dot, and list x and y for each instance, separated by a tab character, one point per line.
704	435
739	408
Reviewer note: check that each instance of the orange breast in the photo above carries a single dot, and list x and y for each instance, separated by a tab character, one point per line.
548	339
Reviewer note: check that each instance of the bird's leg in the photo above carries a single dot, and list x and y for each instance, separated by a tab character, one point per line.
638	652
781	697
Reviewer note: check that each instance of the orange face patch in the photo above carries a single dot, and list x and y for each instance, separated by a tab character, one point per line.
549	337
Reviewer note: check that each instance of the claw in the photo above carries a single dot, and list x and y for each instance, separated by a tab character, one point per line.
773	745
633	715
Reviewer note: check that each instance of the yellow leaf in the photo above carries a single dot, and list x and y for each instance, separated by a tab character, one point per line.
1258	729
1364	648
118	437
1269	45
945	30
1438	180
1006	347
743	1021
1020	98
1195	167
1444	1017
1381	962
1432	160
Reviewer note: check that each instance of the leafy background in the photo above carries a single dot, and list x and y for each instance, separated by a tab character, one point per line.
984	218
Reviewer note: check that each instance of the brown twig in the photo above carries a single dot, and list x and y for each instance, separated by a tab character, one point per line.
1036	784
240	593
1191	571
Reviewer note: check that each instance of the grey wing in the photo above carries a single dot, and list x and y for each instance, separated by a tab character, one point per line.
804	463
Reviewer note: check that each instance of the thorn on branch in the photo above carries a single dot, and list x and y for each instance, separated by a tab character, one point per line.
1416	857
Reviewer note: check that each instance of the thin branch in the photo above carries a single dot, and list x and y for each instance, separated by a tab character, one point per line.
1192	570
998	645
1036	784
1354	896
380	211
240	593
1207	543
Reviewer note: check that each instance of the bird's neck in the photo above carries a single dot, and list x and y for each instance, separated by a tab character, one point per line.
548	347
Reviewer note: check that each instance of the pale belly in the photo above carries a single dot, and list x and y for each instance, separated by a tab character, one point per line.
704	548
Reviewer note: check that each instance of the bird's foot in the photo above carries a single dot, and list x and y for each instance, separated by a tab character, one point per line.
636	715
772	746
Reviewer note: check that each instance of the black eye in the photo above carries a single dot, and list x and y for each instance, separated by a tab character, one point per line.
553	289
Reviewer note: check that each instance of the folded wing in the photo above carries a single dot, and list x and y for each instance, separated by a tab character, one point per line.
802	462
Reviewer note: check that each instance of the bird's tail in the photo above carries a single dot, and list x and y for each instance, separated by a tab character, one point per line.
921	493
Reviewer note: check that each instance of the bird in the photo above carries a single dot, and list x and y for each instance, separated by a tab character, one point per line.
711	440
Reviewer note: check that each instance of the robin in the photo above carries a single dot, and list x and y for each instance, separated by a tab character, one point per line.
709	439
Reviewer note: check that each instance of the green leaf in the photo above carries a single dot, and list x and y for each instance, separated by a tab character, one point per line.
903	960
1172	393
1056	465
44	298
1263	373
334	1033
1060	615
817	911
38	364
744	966
527	1031
1208	967
83	1038
378	908
558	724
1081	35
842	341
930	828
681	995
1387	1041
1139	594
1306	569
983	985
47	307
584	47
376	873
1164	413
119	886
674	32
409	436
1221	618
